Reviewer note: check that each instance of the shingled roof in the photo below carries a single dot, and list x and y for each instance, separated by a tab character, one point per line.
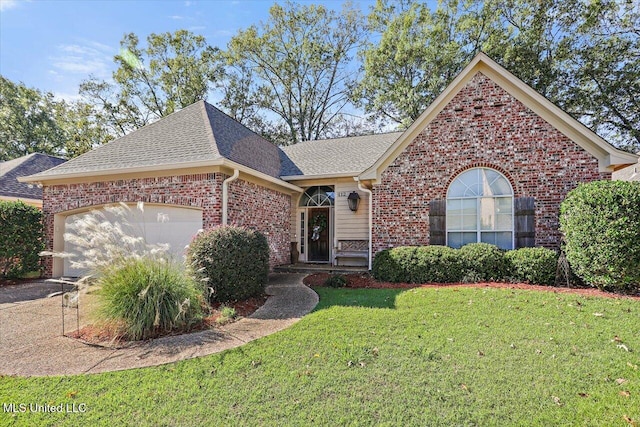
340	156
197	133
24	166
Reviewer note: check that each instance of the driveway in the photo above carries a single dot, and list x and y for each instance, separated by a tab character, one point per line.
31	341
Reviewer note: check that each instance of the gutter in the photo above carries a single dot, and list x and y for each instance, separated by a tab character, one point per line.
370	193
161	170
225	195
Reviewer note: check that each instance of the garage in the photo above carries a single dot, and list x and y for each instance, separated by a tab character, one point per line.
173	225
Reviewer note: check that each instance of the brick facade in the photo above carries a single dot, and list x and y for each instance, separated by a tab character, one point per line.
482	126
198	190
266	210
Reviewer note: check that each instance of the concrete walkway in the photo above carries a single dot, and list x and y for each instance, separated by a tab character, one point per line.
31	343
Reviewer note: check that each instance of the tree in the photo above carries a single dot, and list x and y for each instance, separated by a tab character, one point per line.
173	71
293	72
84	129
602	78
28	122
418	53
583	56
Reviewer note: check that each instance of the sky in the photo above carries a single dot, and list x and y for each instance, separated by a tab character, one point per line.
53	45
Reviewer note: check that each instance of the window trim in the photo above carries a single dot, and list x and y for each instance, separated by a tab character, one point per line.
478	226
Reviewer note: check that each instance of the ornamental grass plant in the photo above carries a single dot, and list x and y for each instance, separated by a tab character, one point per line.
148	297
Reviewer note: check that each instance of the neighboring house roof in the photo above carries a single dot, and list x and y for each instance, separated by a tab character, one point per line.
197	135
609	157
24	166
336	157
630	173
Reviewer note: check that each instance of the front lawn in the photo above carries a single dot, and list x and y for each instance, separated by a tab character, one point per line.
424	356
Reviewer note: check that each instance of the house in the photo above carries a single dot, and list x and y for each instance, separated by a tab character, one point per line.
489	160
630	173
11	170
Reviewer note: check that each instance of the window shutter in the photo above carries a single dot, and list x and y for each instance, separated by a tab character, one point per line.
524	222
438	222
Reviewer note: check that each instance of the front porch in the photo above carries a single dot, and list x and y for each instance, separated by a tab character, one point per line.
319	268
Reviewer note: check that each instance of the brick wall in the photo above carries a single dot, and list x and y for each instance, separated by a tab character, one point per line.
482	126
249	204
266	210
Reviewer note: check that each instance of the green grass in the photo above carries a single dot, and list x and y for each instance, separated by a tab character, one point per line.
448	356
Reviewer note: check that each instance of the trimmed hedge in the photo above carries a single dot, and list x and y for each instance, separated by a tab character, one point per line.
482	262
232	262
472	263
532	265
601	225
439	264
418	264
21	237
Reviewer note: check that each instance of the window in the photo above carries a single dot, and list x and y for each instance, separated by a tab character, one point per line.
318	196
302	232
480	209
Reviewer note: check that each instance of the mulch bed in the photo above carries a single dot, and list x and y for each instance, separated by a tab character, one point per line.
109	335
366	281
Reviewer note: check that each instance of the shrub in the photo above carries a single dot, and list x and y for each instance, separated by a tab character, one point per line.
601	226
394	265
232	262
227	314
418	264
439	264
482	261
533	265
21	237
147	296
336	281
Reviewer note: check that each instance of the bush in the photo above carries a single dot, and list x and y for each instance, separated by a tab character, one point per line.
232	262
533	265
439	264
394	265
336	281
147	296
418	264
482	262
601	226
21	237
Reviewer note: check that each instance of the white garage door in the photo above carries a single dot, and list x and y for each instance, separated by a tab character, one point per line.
173	225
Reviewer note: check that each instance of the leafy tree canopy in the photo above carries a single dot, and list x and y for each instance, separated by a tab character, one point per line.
27	122
174	70
32	121
582	55
291	74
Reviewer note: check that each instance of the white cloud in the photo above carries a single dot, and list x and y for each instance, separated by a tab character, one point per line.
8	4
69	97
176	17
222	33
86	58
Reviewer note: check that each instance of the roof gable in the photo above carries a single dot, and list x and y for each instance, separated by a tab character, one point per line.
609	157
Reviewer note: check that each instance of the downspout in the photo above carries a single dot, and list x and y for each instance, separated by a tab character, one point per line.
370	193
225	195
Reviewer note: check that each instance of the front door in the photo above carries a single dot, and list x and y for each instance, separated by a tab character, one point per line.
318	234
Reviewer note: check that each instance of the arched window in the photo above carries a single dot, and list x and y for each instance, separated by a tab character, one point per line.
480	209
318	196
